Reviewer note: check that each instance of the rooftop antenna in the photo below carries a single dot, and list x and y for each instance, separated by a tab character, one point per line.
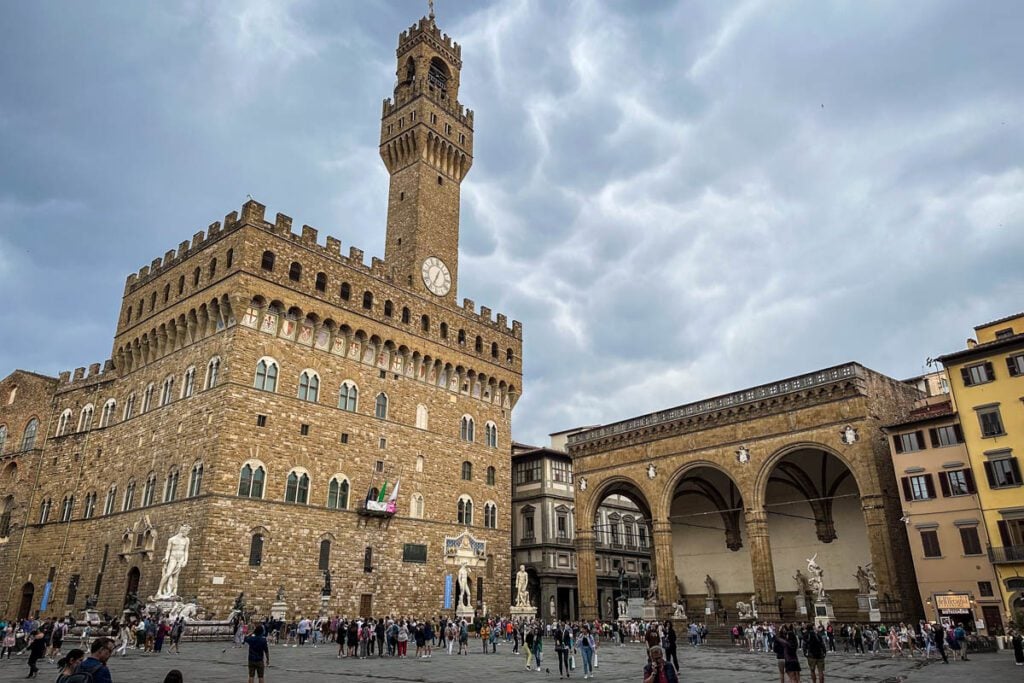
430	5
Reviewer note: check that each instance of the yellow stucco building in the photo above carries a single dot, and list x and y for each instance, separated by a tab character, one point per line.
987	380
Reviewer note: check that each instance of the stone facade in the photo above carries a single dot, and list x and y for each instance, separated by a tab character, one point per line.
785	470
253	353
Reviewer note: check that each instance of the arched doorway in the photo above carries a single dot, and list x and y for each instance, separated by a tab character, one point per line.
131	588
709	548
813	510
28	591
624	548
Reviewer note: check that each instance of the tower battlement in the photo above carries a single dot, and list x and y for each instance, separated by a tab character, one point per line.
173	257
426	30
97	372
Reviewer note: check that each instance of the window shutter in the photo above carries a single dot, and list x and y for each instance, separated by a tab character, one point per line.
989	474
969	479
990	372
919	435
907	495
897	442
959	433
1004	533
944	484
1011	365
1015	466
965	375
934	435
929	481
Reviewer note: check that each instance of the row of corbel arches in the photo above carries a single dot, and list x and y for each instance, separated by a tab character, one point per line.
176	333
446	156
328	335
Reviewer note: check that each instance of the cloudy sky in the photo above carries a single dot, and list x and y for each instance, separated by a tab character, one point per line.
677	199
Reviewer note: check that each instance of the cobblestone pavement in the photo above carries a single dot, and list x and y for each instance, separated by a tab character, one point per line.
217	662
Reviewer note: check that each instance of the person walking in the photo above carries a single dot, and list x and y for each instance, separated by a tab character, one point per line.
961	640
1018	647
176	632
36	650
259	654
528	641
69	663
95	665
485	632
586	645
562	650
814	651
538	648
8	641
657	670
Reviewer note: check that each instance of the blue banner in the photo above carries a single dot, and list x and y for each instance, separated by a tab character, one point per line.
46	596
447	591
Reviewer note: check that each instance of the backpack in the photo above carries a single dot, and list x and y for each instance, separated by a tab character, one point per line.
82	674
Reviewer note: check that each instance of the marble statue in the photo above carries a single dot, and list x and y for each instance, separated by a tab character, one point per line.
872	579
744	610
753	605
551	606
678	611
817	577
522	587
175	558
622	608
709	583
464	584
326	590
280	594
863	585
240	602
801	583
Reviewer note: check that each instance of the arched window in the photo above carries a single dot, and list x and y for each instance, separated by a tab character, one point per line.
490	476
444	330
147	398
297	488
466	428
425	323
465	510
422	416
508	355
128	315
189	385
3	435
337	493
368	300
195	481
388	308
129	496
212	372
129	407
491	434
149	490
346	291
250	481
348	396
380	407
85	418
89	509
405	315
108	504
462	337
5	516
213	267
230	258
66	506
256	550
467	470
419	463
490	515
416	506
196	274
295	271
309	386
167	292
266	375
44	510
171	485
62	426
152	299
166	393
494	349
321	282
478	345
28	439
268	261
181	287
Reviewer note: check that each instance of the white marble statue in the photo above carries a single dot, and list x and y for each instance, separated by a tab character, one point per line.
464	584
863	585
753	605
522	587
678	611
744	610
816	577
175	558
872	579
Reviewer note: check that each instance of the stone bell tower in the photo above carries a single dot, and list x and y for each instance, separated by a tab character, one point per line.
426	142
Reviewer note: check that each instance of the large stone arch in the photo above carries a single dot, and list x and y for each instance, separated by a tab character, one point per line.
861	478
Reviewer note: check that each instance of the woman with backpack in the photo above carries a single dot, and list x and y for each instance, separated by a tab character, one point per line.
69	663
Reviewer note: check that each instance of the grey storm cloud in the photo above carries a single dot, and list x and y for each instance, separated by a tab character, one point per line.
677	199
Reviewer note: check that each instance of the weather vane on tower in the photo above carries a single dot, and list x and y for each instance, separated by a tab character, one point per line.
430	4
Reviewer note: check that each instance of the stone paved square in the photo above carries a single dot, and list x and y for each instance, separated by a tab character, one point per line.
220	662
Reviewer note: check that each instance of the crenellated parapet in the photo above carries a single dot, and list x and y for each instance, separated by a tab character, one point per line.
96	373
416	88
426	30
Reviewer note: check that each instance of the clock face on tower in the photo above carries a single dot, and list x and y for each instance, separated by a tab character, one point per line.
436	276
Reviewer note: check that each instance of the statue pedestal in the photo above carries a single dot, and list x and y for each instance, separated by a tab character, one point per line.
523	612
712	605
465	612
91	617
868	603
279	610
823	612
801	604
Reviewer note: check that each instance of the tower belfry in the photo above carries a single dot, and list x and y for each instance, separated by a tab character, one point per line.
426	142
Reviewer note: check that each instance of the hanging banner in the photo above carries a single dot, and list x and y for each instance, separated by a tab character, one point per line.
447	591
46	596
